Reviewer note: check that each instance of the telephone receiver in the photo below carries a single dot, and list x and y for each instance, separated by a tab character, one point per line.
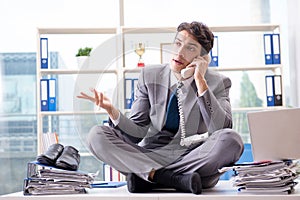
189	71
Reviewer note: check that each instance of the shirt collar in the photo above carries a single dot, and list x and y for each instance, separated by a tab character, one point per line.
185	82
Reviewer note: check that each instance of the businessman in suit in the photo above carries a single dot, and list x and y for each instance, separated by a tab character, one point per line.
146	147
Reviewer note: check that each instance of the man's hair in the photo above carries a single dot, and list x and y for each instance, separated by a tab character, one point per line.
200	31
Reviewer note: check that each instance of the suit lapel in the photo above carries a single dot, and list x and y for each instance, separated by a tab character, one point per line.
163	84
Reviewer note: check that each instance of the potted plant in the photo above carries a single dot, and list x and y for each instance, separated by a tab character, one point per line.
82	55
84	51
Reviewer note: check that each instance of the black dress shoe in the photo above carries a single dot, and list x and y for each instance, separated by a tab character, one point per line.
69	159
51	155
180	182
136	184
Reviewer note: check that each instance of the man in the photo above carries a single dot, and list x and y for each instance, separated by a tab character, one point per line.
152	147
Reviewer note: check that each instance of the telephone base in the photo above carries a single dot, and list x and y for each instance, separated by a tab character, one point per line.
194	139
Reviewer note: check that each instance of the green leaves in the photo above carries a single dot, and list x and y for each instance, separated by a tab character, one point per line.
84	51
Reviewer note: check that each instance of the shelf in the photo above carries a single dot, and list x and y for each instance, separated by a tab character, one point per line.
75	71
223	68
246	109
47	113
77	30
246	28
54	113
137	69
142	30
257	68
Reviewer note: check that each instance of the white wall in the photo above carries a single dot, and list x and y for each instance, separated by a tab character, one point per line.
293	7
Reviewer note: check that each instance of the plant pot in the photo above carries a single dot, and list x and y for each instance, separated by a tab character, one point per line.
82	60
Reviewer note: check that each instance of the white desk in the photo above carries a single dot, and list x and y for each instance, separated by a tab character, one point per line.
222	191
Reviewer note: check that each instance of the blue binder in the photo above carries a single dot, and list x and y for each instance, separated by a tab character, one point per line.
44	52
134	86
128	92
214	53
105	123
129	87
270	90
276	48
268	49
274	90
44	94
277	90
52	94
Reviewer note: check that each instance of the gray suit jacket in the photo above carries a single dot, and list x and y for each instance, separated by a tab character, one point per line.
207	113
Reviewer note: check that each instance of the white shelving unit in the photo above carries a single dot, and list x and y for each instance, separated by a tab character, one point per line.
48	72
146	33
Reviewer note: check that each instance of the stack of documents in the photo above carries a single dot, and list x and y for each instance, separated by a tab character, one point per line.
266	177
46	180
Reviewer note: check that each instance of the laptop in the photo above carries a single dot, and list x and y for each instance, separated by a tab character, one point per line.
275	134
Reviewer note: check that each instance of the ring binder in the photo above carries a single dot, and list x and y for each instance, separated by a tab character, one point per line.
272	48
130	85
277	90
44	53
52	94
128	93
273	90
48	94
214	53
44	94
268	49
276	48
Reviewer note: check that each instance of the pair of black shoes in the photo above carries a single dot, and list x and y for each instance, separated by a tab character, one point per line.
163	178
61	157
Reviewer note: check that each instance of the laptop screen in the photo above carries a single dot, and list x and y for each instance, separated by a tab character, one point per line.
275	134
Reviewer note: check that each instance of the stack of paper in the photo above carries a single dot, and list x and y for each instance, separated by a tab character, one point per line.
46	180
265	177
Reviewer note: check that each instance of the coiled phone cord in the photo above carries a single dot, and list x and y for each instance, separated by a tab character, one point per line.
181	115
197	138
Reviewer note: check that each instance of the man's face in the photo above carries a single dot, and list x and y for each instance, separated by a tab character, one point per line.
185	49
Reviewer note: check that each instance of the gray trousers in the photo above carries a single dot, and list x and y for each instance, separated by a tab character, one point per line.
223	148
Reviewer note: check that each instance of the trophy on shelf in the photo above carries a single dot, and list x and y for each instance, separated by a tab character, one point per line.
140	50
